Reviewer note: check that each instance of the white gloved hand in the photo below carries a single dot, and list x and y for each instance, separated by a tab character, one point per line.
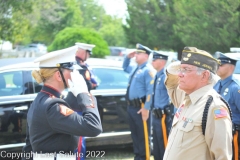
173	68
77	84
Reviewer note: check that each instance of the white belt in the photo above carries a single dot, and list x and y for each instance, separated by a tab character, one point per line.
51	156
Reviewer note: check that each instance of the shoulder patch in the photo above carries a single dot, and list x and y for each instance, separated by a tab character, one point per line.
220	113
64	110
87	75
151	73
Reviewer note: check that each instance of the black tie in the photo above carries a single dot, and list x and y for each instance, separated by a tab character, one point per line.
127	94
220	88
154	87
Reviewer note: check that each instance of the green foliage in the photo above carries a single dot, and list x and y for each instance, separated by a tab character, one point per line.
211	25
110	28
151	23
69	36
12	18
55	16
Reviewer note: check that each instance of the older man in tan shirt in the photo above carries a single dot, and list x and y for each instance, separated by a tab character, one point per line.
190	84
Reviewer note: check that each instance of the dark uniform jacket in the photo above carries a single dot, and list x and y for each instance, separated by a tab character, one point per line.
54	127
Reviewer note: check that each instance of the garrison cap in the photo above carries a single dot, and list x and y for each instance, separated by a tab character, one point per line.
141	48
87	47
199	58
157	55
224	59
64	58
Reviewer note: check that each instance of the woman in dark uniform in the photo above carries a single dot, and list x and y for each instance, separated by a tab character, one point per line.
53	125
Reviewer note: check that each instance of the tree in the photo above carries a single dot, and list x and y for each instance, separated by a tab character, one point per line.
212	25
110	28
13	24
56	16
150	22
69	36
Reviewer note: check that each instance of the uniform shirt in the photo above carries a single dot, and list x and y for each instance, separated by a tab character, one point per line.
186	140
231	93
161	98
54	127
142	81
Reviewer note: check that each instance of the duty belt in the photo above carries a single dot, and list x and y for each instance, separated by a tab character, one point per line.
134	103
158	112
237	127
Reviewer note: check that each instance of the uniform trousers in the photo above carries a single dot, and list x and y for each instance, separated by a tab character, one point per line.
137	132
158	143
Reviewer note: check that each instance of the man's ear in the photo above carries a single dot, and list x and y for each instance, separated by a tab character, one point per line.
205	75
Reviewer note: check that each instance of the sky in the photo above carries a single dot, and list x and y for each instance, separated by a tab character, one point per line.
114	7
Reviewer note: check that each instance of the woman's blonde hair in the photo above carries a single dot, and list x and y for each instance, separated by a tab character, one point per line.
43	74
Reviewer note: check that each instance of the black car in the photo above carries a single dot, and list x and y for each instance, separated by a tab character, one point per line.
18	89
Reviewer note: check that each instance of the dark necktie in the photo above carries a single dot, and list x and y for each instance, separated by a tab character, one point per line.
127	94
154	87
220	88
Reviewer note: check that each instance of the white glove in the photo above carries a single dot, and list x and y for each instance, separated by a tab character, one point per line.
173	68
77	84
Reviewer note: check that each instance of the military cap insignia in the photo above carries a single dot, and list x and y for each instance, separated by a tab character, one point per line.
189	55
64	110
185	58
220	113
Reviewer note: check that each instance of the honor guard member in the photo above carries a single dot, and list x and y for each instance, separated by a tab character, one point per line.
53	126
229	88
139	100
83	53
162	108
190	87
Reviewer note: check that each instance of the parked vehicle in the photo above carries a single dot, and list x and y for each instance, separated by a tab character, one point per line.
18	89
117	51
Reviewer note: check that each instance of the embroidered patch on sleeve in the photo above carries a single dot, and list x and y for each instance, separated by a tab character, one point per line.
64	110
220	113
87	75
148	98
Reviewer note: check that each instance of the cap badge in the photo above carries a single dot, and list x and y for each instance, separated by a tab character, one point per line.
185	58
189	55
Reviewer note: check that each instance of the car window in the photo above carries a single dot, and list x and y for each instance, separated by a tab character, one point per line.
237	68
111	78
11	83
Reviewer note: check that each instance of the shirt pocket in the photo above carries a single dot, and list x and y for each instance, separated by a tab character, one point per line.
189	135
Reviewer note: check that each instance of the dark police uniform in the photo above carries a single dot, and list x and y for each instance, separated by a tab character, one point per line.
162	109
53	125
229	89
140	89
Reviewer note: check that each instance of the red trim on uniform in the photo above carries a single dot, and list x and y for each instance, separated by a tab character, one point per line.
47	93
52	88
79	148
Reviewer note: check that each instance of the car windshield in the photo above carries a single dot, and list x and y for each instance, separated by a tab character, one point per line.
109	78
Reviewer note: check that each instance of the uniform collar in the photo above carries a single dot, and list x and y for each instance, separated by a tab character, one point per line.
196	95
160	72
223	82
142	65
51	91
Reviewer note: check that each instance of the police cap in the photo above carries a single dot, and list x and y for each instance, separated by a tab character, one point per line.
144	49
199	58
224	59
64	58
157	55
87	47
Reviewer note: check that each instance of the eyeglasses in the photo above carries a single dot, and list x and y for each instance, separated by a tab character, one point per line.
185	70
